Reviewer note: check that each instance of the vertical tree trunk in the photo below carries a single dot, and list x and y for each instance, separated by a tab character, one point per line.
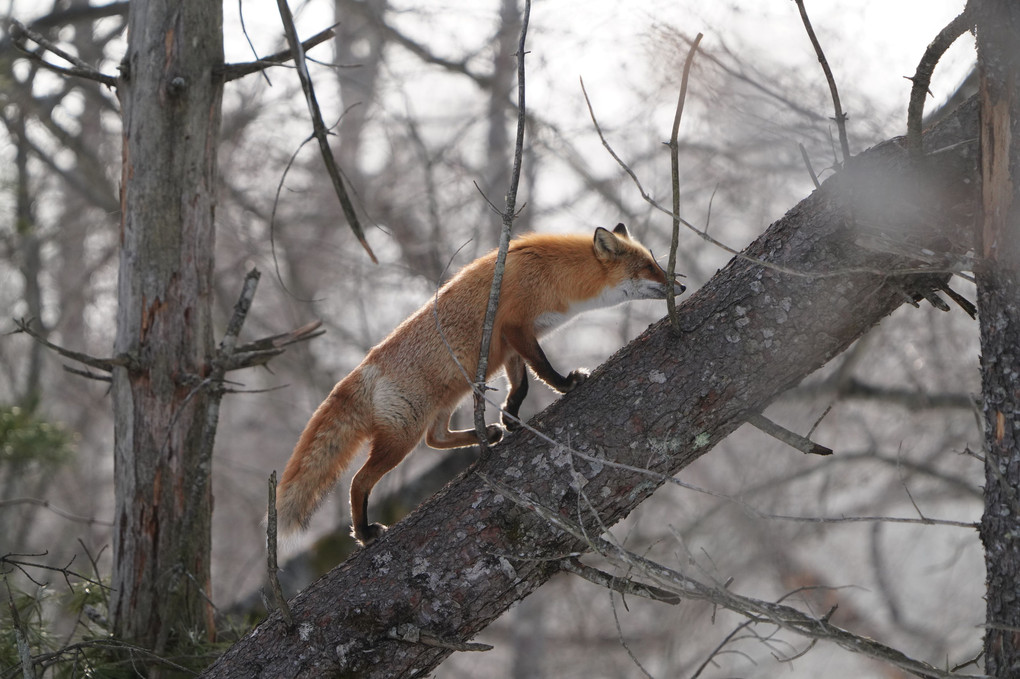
164	426
998	287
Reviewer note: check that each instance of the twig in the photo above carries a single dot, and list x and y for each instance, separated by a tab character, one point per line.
807	164
261	351
241	308
623	642
619	585
414	635
15	560
230	72
45	504
790	438
840	116
272	567
674	153
272	220
924	521
88	374
319	127
922	76
509	212
105	364
19	32
728	638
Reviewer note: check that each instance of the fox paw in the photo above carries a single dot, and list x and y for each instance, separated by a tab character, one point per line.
493	433
368	534
510	423
576	378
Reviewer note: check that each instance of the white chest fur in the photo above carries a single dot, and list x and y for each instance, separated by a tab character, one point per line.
626	290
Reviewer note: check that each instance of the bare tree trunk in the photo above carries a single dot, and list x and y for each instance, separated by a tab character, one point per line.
398	607
164	432
998	286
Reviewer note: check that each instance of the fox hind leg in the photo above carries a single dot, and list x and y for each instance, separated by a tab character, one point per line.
386	453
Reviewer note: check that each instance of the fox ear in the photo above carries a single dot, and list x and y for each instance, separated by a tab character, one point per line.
621	230
607	245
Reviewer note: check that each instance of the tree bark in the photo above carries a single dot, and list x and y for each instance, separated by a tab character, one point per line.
164	410
464	556
998	294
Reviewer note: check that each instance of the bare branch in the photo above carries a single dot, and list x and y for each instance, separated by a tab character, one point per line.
106	364
840	116
19	33
922	76
790	438
674	153
234	71
241	308
45	504
509	212
261	351
271	563
319	128
807	164
414	635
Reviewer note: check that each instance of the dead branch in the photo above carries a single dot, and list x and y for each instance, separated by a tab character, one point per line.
674	153
230	72
414	635
271	560
261	351
20	34
105	364
790	438
241	308
840	116
319	128
922	76
807	164
63	513
508	214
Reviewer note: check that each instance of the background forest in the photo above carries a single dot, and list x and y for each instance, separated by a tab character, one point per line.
420	99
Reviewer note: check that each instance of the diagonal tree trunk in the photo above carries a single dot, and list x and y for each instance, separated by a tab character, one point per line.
163	429
463	557
998	288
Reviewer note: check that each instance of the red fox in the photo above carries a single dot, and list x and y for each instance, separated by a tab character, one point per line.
409	385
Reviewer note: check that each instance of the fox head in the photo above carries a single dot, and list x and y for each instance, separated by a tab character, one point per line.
633	271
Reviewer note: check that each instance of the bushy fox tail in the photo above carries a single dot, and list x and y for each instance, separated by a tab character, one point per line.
326	447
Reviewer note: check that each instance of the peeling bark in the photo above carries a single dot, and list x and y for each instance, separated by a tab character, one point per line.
464	556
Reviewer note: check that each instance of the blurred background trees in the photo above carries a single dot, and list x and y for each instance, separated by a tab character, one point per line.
422	97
